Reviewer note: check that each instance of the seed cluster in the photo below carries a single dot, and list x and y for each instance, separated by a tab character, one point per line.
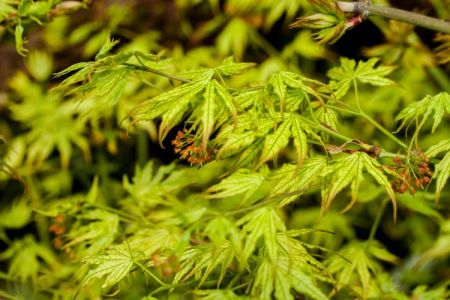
190	148
416	175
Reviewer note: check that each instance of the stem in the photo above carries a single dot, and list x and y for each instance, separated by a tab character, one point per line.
150	273
365	8
157	72
383	130
375	225
373	122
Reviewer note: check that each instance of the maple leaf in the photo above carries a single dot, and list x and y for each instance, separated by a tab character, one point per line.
200	261
366	72
430	106
349	171
360	265
113	266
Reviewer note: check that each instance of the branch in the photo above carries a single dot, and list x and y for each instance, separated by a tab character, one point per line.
365	8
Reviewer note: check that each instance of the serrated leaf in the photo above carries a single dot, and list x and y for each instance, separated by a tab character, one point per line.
300	140
249	155
360	266
302	282
264	279
203	259
441	174
276	141
155	107
240	182
364	72
373	167
281	82
208	116
349	170
263	222
229	67
227	100
440	147
113	266
435	106
236	143
173	116
294	269
289	182
344	172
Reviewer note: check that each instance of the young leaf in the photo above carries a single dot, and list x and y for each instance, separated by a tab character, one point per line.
155	107
430	106
362	268
229	67
114	265
240	182
300	139
438	148
276	141
282	82
208	117
349	170
365	72
289	182
263	222
203	259
294	269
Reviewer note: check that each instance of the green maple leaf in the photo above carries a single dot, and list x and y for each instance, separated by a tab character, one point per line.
361	265
113	266
200	261
294	269
290	182
242	181
230	67
282	84
442	168
207	100
235	138
261	223
349	171
430	106
293	126
366	72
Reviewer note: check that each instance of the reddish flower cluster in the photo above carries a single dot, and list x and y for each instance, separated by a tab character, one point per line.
190	149
167	265
58	229
420	170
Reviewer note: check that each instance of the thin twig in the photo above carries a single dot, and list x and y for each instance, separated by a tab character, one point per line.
157	72
365	8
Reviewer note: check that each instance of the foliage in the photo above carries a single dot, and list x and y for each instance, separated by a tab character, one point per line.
286	173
